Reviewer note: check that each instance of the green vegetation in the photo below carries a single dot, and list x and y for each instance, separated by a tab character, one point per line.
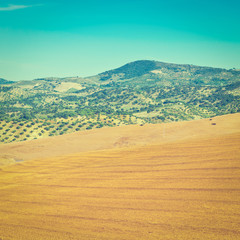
137	93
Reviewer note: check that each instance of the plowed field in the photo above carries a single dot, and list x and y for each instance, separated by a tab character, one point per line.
186	187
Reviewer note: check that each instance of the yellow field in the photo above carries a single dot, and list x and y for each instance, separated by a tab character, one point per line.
185	185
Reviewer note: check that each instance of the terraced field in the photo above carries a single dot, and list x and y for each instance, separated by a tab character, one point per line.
182	184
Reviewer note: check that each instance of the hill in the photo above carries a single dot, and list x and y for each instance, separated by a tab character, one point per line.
119	137
4	81
137	93
173	74
183	184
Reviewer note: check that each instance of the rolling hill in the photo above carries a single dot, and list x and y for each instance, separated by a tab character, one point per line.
137	93
119	137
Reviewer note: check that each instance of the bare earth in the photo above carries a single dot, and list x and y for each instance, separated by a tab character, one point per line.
175	181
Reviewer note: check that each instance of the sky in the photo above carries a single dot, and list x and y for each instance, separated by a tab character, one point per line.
64	38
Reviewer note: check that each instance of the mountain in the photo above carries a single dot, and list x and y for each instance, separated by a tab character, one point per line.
160	72
130	70
136	93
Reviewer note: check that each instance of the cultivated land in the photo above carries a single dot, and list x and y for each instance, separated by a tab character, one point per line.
168	181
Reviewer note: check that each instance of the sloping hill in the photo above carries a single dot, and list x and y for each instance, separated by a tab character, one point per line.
124	136
184	187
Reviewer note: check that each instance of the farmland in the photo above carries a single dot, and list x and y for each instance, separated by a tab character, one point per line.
167	181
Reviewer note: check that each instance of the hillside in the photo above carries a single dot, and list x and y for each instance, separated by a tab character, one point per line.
119	137
179	184
137	93
4	81
174	74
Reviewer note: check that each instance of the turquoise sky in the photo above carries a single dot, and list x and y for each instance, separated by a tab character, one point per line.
43	38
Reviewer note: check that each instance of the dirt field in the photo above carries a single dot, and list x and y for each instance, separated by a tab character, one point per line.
172	182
